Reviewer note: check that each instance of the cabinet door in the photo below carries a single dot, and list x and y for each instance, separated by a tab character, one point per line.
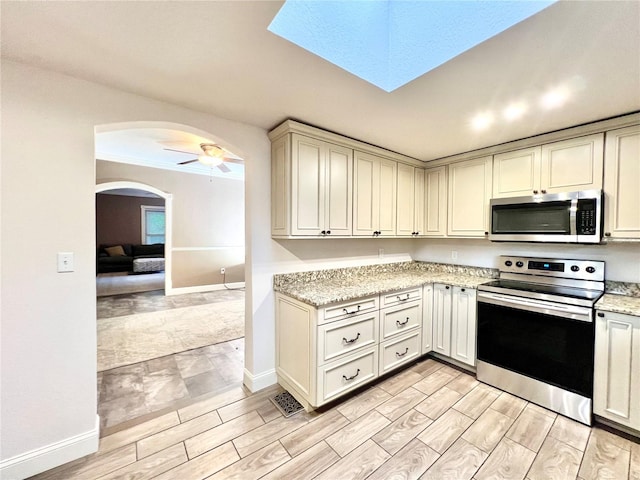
463	325
280	181
406	200
517	173
442	319
366	173
418	203
574	164
616	388
427	318
387	197
338	190
621	181
308	185
435	202
374	194
469	196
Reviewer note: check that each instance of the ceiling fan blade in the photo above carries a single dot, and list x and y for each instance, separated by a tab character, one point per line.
181	151
224	168
234	160
188	162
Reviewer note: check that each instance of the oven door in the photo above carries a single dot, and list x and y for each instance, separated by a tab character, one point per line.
546	341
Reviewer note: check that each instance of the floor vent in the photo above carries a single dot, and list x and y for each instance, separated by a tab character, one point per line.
286	404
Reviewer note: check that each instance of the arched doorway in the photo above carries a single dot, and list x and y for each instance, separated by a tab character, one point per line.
168	205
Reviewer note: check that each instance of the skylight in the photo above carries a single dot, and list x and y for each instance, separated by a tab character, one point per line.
391	42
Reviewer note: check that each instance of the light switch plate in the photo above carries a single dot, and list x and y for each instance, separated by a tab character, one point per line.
65	262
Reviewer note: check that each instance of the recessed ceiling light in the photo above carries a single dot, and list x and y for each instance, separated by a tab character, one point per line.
514	111
482	121
554	98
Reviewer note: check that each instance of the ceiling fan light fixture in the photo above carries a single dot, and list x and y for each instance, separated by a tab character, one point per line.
210	161
212	150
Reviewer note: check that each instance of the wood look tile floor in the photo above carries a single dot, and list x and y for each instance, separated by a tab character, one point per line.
429	421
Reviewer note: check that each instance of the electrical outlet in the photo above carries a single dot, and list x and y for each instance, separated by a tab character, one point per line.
65	262
454	255
222	270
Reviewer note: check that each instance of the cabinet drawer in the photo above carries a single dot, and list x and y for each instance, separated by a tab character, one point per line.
399	351
401	296
345	336
348	309
400	319
343	375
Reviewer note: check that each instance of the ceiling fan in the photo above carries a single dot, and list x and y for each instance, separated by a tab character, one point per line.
212	155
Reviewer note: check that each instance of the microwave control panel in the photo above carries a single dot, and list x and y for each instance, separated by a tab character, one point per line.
586	220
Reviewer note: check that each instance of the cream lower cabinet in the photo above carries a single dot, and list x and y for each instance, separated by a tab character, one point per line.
323	353
454	323
616	385
621	181
427	318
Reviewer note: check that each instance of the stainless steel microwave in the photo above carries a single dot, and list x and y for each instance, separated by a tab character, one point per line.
572	217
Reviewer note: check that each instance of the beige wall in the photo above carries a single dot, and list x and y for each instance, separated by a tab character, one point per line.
208	221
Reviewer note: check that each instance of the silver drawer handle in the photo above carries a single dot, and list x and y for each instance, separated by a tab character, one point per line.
351	313
352	340
402	324
352	376
403	299
402	354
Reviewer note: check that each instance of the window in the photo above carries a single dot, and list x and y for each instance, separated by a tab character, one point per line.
153	224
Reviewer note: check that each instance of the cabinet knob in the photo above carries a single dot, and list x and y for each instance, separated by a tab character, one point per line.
462	289
601	315
607	234
535	191
323	232
447	287
486	233
328	232
543	191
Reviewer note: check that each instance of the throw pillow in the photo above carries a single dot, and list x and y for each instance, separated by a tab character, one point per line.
116	251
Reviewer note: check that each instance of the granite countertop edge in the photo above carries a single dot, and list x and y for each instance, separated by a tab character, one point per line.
616	303
330	291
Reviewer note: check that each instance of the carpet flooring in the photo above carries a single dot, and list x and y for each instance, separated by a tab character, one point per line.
118	283
130	339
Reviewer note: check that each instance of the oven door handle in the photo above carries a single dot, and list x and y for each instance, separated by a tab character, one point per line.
582	314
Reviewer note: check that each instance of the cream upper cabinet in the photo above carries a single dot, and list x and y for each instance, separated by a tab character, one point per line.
435	202
410	204
574	164
621	183
319	177
374	195
616	383
565	166
517	174
469	195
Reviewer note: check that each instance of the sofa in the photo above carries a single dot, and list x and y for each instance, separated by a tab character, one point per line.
120	257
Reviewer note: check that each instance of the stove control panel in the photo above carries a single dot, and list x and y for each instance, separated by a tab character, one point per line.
554	267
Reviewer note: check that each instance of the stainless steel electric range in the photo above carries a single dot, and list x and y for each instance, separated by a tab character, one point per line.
536	331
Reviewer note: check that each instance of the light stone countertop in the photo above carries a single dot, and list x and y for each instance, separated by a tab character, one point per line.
619	304
324	291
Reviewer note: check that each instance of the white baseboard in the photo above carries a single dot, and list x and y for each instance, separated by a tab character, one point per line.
202	288
260	381
50	456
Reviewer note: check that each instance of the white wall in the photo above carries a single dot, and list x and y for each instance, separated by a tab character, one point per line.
48	343
622	259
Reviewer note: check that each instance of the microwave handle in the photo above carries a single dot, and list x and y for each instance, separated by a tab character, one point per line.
573	213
